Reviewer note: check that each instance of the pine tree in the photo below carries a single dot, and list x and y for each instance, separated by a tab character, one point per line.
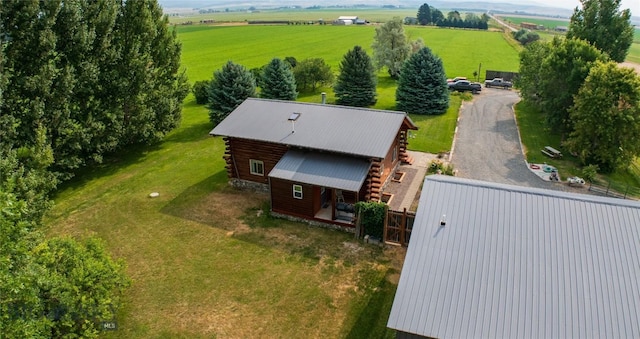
278	81
422	87
424	14
356	84
229	87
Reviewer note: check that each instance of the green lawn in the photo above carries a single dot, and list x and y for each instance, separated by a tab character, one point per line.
548	23
535	135
203	264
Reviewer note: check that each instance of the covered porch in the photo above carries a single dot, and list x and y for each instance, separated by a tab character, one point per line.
331	183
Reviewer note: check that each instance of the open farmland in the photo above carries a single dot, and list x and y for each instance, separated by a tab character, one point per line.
546	22
207	48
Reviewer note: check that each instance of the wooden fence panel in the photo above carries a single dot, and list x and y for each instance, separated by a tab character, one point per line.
398	226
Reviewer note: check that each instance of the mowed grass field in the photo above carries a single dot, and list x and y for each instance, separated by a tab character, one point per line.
207	261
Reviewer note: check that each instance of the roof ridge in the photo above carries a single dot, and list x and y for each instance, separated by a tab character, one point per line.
330	105
536	191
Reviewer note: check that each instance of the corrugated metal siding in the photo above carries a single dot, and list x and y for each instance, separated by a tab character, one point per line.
328	170
357	131
513	262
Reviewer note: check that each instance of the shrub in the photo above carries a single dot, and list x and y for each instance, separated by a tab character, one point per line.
439	167
589	172
200	91
371	216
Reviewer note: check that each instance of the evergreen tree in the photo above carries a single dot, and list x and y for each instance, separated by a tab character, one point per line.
602	24
424	15
229	87
422	87
391	47
278	81
356	84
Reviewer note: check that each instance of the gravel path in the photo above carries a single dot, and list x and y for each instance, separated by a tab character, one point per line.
487	145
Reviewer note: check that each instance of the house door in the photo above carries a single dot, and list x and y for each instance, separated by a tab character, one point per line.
324	197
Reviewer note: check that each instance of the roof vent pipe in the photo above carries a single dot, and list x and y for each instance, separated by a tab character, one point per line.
443	220
324	97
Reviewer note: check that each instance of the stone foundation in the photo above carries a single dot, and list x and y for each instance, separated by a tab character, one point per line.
315	223
246	185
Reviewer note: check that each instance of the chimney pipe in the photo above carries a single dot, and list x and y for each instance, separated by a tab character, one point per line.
324	98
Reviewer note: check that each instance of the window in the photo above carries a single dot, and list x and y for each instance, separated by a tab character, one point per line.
394	155
257	167
297	191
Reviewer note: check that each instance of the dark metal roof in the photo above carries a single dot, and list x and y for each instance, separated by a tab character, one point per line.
514	262
349	130
328	170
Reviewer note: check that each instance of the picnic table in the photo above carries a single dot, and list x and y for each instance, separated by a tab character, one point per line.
551	152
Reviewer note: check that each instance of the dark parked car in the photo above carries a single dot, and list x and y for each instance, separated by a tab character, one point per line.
465	85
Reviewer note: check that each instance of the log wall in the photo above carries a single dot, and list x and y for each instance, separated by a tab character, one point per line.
238	152
282	200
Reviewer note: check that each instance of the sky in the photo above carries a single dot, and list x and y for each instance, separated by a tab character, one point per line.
633	5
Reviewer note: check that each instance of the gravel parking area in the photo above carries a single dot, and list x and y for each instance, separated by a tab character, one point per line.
487	144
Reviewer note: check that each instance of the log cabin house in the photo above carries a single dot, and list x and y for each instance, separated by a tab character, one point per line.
315	160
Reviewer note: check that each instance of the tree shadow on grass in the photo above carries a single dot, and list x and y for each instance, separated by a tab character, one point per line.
373	314
186	204
110	165
192	133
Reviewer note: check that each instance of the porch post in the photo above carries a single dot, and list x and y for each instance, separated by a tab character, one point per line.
333	204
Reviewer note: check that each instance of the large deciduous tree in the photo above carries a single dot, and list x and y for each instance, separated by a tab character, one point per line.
278	81
391	47
152	85
558	76
98	75
424	15
312	72
606	117
422	88
601	23
356	84
229	87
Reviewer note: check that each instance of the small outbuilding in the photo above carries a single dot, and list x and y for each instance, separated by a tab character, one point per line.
488	260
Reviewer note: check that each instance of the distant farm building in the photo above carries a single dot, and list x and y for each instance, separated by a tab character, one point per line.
346	20
529	25
410	20
561	28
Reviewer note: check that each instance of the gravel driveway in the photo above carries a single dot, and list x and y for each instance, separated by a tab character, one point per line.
487	145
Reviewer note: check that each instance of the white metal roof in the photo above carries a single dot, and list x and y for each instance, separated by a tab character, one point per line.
514	262
322	169
349	130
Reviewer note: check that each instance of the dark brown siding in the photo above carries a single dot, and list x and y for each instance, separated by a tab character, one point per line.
282	200
242	150
388	162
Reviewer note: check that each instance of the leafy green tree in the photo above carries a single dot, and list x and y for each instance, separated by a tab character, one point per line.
201	91
601	23
422	88
229	87
606	117
312	72
391	47
558	76
356	84
81	286
437	16
152	85
529	75
278	81
424	15
291	61
98	75
525	36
